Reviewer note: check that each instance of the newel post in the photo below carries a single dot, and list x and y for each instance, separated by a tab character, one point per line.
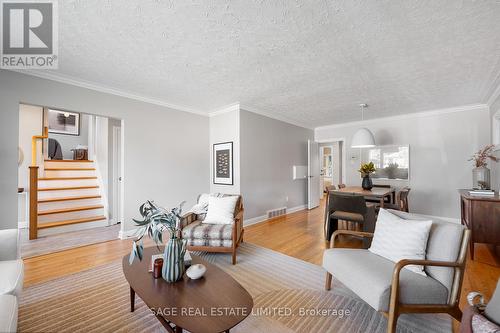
33	219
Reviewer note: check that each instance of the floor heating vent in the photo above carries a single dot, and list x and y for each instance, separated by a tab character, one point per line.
276	212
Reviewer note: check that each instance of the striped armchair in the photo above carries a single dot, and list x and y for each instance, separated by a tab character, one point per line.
213	237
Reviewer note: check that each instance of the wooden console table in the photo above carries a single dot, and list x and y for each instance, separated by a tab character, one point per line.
482	216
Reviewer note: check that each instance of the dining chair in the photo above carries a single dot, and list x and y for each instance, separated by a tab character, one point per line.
351	208
401	203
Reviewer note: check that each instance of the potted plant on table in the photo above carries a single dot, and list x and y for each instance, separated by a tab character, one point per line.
365	170
155	221
481	173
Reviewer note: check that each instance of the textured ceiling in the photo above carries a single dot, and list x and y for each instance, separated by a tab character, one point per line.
311	62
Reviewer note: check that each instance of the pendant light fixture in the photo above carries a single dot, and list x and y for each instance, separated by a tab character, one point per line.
363	138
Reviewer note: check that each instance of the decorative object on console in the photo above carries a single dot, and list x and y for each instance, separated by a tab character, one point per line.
363	138
155	221
366	169
195	272
223	163
481	173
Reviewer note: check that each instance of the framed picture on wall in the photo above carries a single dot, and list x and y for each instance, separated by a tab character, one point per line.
64	122
223	163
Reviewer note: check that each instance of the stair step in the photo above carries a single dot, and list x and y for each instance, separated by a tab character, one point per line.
69	210
66	188
69	222
69	169
76	161
65	178
83	197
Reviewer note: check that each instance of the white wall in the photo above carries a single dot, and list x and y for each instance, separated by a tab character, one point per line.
225	127
440	144
30	120
269	149
165	157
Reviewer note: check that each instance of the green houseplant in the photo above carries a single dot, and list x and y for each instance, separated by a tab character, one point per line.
365	170
155	221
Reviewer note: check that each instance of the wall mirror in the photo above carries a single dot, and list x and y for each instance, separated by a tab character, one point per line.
391	162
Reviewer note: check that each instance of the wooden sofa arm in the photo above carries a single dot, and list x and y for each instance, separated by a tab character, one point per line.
187	219
351	233
422	262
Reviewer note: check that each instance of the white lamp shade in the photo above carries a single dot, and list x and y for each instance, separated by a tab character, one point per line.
363	138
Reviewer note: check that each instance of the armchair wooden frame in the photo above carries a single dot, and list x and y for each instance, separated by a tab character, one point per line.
395	307
237	236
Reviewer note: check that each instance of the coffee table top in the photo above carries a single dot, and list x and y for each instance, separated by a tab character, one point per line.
214	303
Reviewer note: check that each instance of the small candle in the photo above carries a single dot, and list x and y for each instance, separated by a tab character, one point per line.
158	265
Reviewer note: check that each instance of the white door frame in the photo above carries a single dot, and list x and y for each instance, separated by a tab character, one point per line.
321	160
117	189
343	157
313	171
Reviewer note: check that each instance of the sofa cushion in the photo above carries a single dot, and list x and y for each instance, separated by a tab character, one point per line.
396	238
444	243
205	234
347	216
8	313
11	277
370	277
221	210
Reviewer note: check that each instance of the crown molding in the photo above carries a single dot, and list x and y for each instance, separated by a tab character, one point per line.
422	114
269	114
225	109
106	89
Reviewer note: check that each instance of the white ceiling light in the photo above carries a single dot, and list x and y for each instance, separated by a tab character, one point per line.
363	138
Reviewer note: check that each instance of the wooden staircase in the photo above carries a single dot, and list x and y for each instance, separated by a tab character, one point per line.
68	197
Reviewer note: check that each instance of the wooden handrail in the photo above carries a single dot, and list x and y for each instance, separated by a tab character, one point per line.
44	135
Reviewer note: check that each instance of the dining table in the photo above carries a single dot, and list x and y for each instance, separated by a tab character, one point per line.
377	193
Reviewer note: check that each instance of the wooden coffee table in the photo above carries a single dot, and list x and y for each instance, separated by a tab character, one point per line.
214	303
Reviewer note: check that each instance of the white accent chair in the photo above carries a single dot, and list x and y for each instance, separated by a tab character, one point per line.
392	290
11	279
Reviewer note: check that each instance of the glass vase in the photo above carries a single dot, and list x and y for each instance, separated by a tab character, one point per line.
481	178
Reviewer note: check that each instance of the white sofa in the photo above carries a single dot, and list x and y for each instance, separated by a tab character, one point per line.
11	279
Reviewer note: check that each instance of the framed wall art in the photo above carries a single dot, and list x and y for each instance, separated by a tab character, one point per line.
223	163
64	122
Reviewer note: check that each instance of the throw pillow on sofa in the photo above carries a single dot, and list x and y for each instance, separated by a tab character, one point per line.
396	239
221	210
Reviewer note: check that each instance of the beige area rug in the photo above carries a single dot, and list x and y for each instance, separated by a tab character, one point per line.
65	241
97	300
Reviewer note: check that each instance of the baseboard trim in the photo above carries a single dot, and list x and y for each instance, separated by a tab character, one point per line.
263	218
126	234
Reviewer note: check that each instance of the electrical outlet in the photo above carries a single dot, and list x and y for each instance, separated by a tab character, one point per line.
286	198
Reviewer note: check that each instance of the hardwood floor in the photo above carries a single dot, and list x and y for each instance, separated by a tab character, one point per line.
299	235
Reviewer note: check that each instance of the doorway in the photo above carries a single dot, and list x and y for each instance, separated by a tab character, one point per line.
331	164
77	159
